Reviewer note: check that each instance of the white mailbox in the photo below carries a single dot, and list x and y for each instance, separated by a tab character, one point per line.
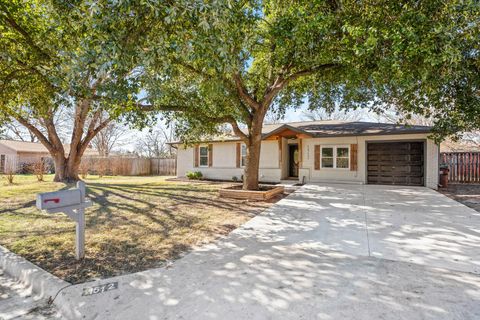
72	203
59	199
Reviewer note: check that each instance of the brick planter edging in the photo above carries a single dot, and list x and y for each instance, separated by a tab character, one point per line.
251	195
41	282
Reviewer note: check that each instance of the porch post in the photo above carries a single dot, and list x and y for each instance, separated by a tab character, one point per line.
300	153
279	152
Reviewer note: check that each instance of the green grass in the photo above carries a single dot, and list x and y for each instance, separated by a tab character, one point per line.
136	223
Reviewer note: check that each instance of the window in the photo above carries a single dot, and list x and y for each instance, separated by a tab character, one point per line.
203	156
336	157
342	158
327	157
243	155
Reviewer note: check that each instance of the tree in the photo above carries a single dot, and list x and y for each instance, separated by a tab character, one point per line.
240	59
108	138
15	131
78	58
321	114
154	144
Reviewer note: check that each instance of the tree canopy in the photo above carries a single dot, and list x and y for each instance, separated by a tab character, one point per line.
78	56
419	57
236	60
206	63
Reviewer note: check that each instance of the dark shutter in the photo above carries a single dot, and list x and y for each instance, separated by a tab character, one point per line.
353	157
196	156
317	157
239	154
210	155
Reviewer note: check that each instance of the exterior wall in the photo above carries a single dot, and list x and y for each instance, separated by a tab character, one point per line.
8	159
6	151
360	176
31	157
224	160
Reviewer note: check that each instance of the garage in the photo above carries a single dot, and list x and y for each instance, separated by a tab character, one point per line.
396	163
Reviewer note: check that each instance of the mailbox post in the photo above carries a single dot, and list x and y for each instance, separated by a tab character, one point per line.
72	203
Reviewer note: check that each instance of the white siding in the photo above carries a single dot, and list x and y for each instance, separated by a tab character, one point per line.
224	160
359	176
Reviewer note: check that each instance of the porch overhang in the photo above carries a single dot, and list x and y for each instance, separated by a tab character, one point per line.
286	131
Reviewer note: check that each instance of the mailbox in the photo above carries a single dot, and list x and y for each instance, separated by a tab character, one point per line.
72	203
59	199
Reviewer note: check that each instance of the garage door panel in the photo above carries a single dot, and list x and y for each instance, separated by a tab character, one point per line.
399	163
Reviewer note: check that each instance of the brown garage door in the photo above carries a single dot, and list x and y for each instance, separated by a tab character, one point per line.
399	163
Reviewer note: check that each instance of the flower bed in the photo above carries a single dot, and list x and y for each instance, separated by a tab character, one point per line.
265	193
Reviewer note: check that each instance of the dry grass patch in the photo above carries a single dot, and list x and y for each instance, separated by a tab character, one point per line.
136	223
468	194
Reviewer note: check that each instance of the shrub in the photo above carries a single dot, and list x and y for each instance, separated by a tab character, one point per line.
102	167
197	175
235	179
10	175
38	169
84	167
10	169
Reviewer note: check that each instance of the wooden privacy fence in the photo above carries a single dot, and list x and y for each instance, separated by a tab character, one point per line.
464	166
122	166
163	167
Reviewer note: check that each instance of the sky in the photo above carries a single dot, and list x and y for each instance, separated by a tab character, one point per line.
291	115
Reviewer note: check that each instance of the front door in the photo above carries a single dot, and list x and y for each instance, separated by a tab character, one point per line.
293	160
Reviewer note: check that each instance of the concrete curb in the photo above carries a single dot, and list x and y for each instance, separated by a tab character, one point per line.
39	281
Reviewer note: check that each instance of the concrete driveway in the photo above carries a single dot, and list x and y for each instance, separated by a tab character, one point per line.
324	252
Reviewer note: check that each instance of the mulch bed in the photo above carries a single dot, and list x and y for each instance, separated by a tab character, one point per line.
468	194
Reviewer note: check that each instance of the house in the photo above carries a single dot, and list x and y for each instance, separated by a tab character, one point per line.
14	154
324	151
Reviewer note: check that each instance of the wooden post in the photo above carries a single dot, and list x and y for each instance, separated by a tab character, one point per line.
300	153
80	225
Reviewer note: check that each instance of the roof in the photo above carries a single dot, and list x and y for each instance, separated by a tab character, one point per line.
321	129
332	128
36	147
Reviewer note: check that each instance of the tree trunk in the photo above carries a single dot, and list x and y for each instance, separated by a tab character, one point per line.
66	169
252	165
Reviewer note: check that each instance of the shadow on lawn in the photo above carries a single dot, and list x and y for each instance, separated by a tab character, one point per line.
130	228
136	199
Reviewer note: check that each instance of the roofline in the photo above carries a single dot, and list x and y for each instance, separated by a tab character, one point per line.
284	127
321	136
8	147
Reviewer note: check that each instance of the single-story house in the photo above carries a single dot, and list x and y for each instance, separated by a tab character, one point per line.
324	151
14	153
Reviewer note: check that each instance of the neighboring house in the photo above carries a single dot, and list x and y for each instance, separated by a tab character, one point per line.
324	151
15	154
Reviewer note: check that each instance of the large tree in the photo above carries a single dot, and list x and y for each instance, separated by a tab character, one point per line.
239	59
75	57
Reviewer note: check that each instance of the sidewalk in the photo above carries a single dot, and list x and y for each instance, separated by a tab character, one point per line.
17	303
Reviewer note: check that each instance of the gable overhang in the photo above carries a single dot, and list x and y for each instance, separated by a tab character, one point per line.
288	132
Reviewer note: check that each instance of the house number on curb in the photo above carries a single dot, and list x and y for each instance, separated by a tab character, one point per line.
100	289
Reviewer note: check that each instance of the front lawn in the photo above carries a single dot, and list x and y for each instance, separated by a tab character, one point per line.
136	223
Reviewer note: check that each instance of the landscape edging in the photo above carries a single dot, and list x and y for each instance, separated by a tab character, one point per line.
40	282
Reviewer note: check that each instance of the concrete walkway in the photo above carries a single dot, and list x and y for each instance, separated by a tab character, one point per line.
324	252
17	302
